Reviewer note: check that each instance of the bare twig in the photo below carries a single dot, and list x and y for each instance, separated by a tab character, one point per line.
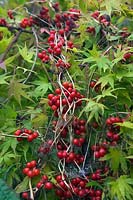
31	190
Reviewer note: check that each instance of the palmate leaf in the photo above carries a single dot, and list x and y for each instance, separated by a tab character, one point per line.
106	93
17	90
105	80
111	5
26	53
94	109
4	43
121	188
117	159
3	78
39	120
83	4
98	61
42	87
126	124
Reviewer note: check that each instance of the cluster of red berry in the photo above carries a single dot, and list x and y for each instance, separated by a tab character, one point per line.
113	129
45	183
100	150
94	86
58	40
44	13
56	44
65	96
26	22
75	187
3	22
70	157
127	56
31	169
99	174
25	133
10	14
45	147
103	19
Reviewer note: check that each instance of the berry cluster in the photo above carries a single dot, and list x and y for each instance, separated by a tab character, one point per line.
44	182
44	14
99	174
26	22
79	126
91	29
124	33
70	157
103	19
43	56
10	14
99	150
58	37
56	44
61	63
25	133
113	129
45	147
65	96
3	22
127	56
31	169
94	86
75	187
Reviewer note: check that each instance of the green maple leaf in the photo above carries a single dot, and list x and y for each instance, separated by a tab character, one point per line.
107	79
121	188
98	61
94	109
111	5
117	159
26	54
17	90
42	87
3	78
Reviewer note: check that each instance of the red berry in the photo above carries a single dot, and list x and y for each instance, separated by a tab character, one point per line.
33	163
44	178
36	172
18	132
97	154
54	107
71	156
76	141
26	170
98	193
25	195
29	165
48	185
30	174
39	185
30	138
116	137
102	152
50	96
35	135
92	84
58	91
